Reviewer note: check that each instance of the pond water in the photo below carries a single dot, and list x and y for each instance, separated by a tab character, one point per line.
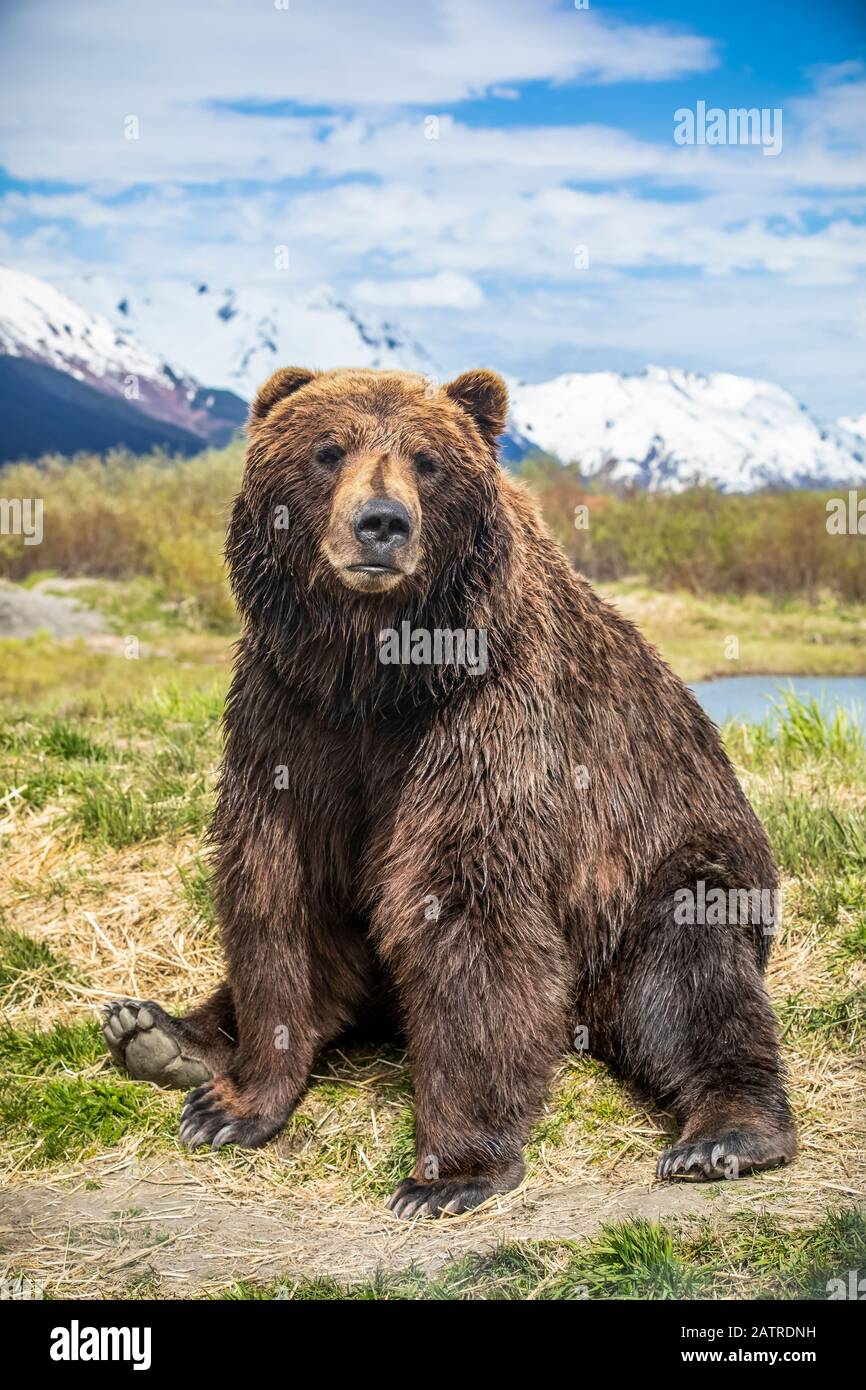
750	699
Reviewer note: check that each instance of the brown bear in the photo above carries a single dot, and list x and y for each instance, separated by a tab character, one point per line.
493	856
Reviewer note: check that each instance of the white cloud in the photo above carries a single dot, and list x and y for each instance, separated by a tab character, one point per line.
480	224
447	290
70	74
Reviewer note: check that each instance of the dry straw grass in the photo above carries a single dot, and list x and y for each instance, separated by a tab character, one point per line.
122	920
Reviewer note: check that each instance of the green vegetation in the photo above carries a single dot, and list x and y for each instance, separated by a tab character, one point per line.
805	733
126	792
50	1112
66	1048
80	682
631	1260
65	741
126	815
809	836
28	968
805	756
148	776
159	524
700	540
64	1120
197	888
123	517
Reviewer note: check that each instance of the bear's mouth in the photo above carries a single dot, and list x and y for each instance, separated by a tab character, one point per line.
373	569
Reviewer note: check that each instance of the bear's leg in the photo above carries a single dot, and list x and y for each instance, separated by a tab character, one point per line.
151	1045
295	987
485	1007
688	1018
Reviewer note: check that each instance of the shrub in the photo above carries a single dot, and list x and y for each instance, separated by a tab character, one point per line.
773	543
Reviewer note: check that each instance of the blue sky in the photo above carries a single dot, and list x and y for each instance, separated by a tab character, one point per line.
309	125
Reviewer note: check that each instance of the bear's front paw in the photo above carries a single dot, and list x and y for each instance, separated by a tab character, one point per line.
730	1155
216	1114
415	1197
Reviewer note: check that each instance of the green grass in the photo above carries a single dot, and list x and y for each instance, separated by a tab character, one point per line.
52	1115
121	816
148	776
810	779
828	899
806	729
634	1259
837	905
588	1099
28	968
34	784
64	740
815	835
813	838
65	1048
141	606
798	732
65	1120
853	943
112	754
75	682
398	1160
840	1021
197	890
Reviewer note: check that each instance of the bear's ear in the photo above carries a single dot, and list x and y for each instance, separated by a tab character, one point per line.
283	383
484	396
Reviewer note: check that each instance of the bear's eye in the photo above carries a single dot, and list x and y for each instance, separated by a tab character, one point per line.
329	455
426	464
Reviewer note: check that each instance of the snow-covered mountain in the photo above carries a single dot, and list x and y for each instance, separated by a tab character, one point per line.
236	338
75	374
666	429
70	379
853	424
39	322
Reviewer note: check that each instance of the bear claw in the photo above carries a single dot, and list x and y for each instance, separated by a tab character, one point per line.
206	1119
142	1040
445	1196
732	1155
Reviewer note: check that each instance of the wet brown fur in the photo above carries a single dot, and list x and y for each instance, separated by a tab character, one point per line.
549	807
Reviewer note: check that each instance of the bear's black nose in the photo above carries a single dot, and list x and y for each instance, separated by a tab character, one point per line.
383	523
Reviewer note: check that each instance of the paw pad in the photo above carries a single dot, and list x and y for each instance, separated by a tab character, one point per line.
142	1040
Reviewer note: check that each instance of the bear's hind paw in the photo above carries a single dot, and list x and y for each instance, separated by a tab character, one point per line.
145	1042
731	1155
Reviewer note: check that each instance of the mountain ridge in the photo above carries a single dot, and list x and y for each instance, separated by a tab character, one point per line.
667	428
123	394
120	365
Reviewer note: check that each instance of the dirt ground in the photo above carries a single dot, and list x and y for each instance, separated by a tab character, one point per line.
24	612
156	1220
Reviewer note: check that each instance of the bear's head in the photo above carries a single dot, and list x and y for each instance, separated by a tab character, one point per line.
375	482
